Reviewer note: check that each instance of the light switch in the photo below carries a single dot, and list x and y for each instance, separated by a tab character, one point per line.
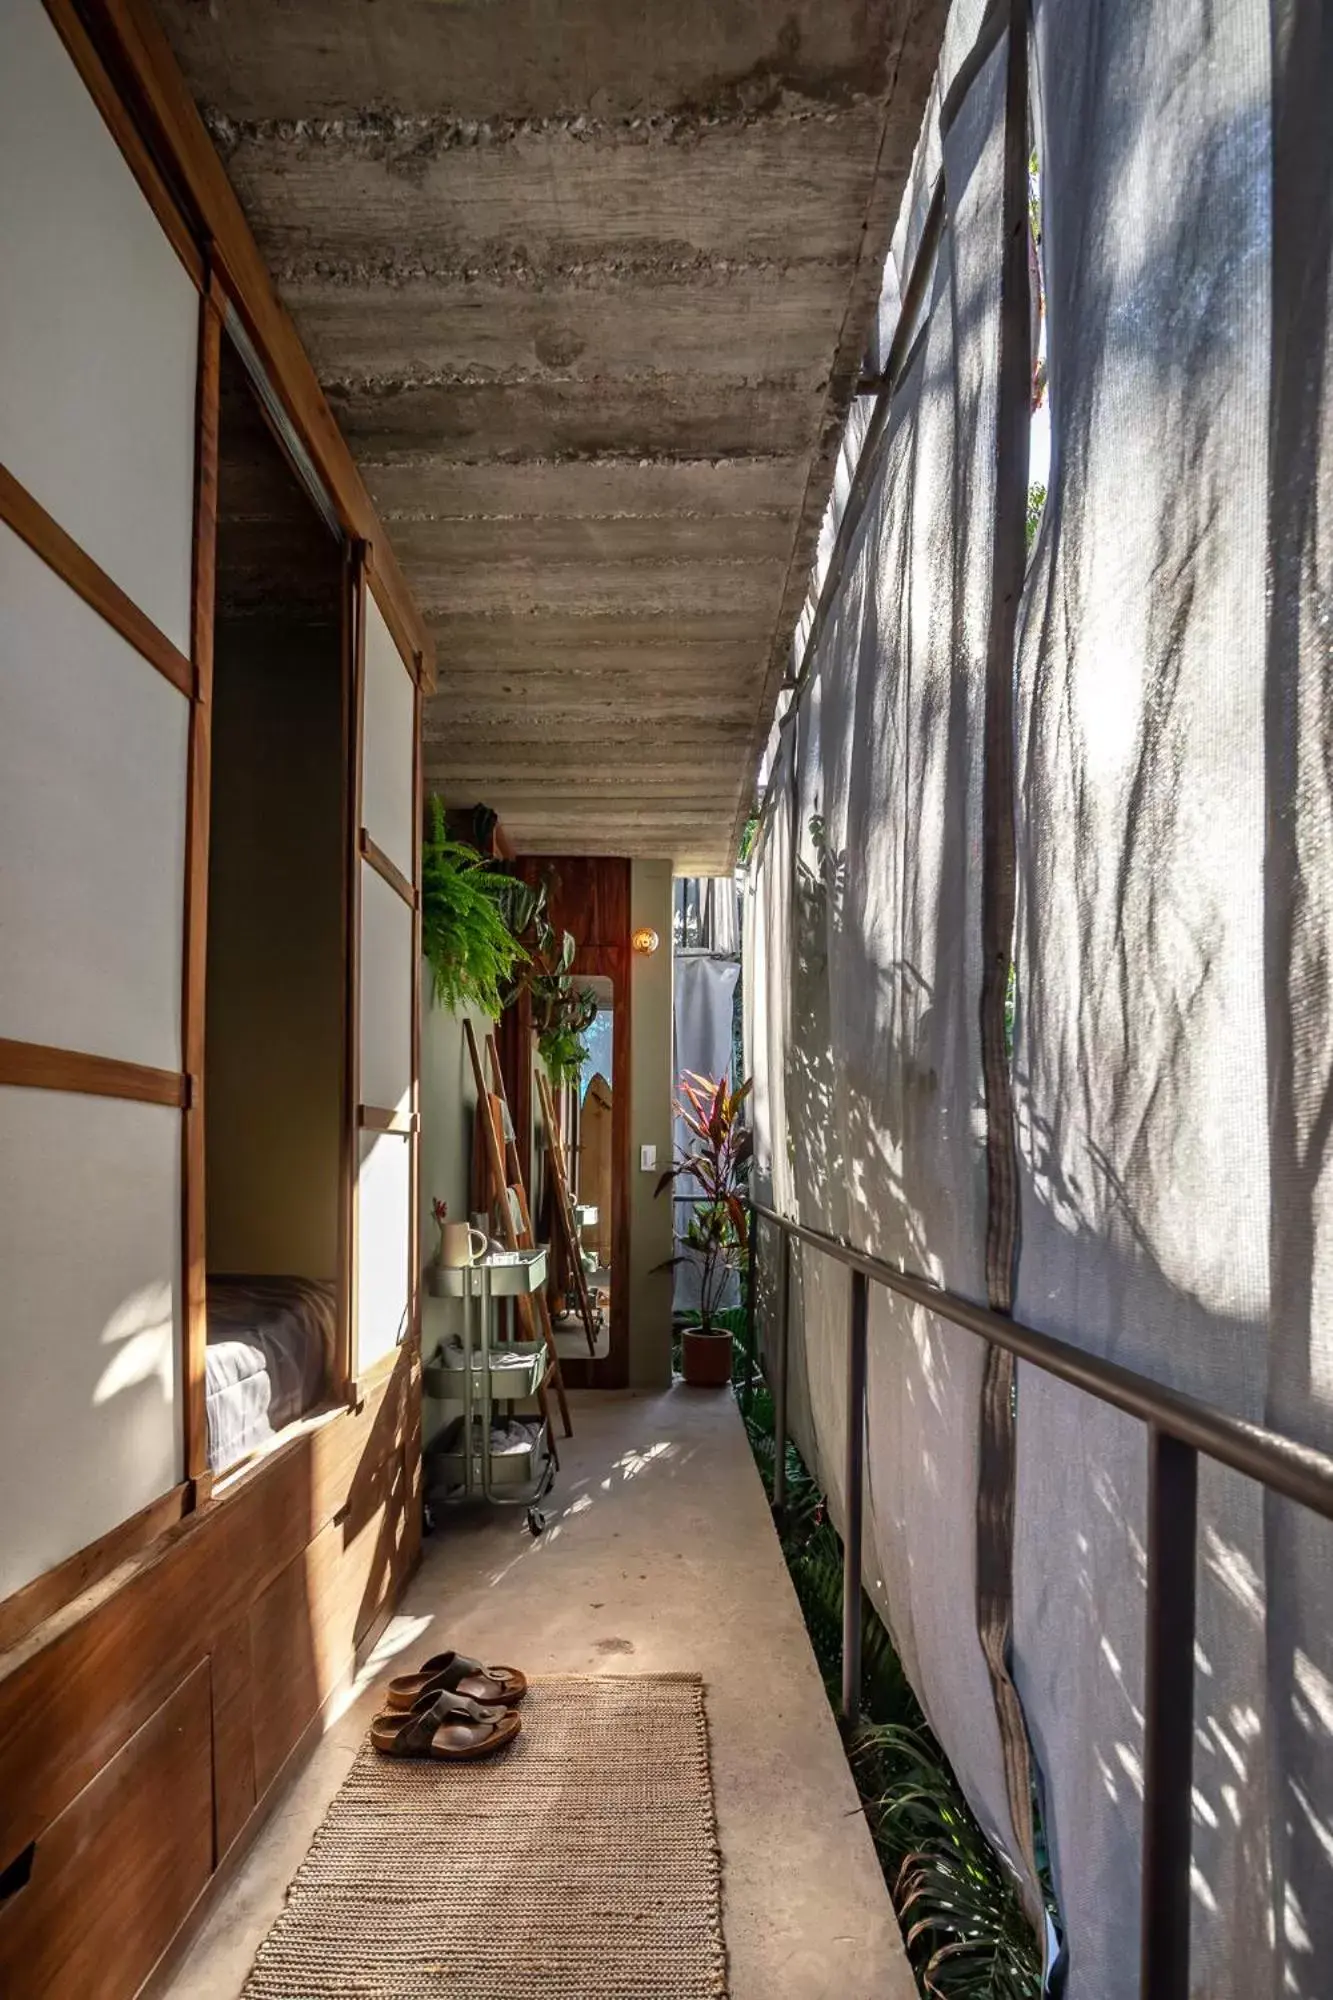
647	1158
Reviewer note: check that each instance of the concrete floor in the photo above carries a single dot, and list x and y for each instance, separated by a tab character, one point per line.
660	1556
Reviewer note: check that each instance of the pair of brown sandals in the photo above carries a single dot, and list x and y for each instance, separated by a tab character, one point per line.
452	1709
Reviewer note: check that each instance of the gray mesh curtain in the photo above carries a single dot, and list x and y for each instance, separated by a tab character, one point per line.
882	1083
1173	1059
1158	959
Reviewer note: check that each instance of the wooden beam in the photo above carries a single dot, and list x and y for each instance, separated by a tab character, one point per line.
380	1118
24	1610
34	1066
60	552
195	948
372	852
129	31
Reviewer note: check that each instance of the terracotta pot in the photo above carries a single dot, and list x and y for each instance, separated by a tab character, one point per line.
706	1358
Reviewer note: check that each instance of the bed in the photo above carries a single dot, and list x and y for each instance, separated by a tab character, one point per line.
269	1359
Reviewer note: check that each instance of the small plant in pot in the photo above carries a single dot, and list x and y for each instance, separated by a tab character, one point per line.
716	1159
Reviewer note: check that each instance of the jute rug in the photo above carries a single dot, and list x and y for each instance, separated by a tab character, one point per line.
581	1863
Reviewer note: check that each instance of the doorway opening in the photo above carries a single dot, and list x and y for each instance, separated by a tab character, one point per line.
275	1029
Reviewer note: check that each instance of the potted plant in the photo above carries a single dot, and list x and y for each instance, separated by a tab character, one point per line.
469	945
716	1158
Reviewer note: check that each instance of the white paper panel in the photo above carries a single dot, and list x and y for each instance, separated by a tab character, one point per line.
99	330
386	994
383	1232
386	768
90	1250
91	855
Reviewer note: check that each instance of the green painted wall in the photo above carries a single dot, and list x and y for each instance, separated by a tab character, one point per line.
650	1124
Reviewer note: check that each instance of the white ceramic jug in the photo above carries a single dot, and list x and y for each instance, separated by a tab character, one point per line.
459	1244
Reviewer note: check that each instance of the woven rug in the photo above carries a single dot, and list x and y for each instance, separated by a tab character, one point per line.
581	1863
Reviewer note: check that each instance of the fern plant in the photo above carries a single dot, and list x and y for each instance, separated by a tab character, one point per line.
472	953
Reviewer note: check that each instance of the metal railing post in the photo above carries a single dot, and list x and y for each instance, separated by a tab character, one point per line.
1173	1485
853	1483
751	1312
780	1385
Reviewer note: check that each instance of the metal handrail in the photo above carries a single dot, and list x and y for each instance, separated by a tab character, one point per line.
1180	1427
1296	1471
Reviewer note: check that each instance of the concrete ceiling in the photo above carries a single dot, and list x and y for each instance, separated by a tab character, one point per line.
588	288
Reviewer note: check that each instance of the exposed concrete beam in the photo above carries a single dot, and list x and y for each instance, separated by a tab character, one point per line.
589	291
330	57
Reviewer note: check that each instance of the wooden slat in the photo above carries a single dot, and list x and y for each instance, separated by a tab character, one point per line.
382	1118
414	1171
195	948
234	1791
34	1066
374	854
117	1874
65	17
26	1609
47	539
177	133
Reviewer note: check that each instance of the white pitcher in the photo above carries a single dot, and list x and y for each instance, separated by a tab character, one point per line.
459	1244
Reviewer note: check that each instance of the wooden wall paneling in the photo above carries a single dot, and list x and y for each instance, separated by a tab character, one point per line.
24	1610
76	1689
354	661
77	1929
304	1627
33	1066
178	230
135	49
60	552
234	1791
194	1294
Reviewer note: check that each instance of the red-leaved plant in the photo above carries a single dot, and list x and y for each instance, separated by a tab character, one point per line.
717	1158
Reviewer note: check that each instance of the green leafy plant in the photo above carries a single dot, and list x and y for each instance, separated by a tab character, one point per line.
471	950
717	1158
562	1011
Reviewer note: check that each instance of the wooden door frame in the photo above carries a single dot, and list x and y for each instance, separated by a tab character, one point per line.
612	1372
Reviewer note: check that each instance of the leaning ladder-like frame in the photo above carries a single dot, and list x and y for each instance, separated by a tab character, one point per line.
536	1317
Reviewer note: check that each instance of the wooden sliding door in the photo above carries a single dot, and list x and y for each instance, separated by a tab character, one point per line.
99	387
386	915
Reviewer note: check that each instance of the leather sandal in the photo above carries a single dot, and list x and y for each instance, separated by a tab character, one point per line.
454	1673
446	1727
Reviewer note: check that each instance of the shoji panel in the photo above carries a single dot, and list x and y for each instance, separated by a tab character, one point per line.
386	771
89	1320
386	995
92	827
99	330
384	1213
